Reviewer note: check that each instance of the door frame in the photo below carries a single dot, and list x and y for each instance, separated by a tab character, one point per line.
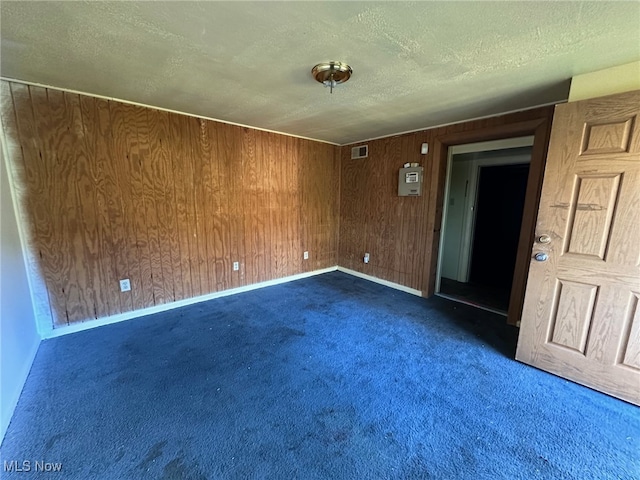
540	128
468	228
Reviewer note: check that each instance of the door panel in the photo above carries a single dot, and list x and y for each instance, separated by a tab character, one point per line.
581	318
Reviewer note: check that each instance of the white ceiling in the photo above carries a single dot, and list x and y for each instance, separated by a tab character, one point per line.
416	64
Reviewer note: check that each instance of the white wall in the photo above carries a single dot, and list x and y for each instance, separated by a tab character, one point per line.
19	339
454	230
623	78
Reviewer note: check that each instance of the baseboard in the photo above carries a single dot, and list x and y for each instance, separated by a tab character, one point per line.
65	330
386	283
10	400
79	327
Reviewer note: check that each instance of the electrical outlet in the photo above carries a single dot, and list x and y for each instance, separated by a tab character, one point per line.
305	255
125	285
236	266
366	258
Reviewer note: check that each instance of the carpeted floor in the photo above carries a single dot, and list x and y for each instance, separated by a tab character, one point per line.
327	377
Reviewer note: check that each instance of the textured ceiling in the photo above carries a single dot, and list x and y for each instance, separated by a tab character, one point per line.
416	64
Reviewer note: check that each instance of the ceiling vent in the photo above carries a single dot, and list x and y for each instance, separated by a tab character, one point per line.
360	152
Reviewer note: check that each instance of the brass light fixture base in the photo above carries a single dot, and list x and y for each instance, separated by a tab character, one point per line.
331	74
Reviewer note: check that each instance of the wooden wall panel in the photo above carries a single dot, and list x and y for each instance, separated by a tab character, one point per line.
122	158
402	234
253	250
111	191
23	147
52	116
182	227
318	220
160	184
102	175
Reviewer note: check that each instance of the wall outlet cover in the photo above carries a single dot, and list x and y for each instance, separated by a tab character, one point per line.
125	285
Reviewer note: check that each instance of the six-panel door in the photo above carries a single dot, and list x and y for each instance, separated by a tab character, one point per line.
581	315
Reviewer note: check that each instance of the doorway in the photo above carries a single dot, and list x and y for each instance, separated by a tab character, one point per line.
483	207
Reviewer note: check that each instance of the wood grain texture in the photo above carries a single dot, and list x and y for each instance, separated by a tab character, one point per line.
111	191
181	226
94	124
402	233
53	116
23	147
580	307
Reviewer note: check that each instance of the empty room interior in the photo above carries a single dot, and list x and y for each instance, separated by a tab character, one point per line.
320	240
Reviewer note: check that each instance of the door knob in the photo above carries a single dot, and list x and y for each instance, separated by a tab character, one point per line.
544	239
541	257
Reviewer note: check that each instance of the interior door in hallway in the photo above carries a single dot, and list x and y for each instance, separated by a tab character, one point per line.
581	316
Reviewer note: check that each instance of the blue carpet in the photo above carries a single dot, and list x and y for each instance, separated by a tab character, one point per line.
326	377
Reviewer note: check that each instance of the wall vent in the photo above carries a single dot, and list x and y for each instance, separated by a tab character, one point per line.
360	152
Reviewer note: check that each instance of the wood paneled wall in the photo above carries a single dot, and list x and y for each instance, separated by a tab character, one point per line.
374	219
111	191
402	233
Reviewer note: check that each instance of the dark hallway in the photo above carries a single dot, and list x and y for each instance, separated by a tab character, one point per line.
499	207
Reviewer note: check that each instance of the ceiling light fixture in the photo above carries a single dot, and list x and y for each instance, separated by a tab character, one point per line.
331	74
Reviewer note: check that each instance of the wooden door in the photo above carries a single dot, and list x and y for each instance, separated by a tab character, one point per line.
581	315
